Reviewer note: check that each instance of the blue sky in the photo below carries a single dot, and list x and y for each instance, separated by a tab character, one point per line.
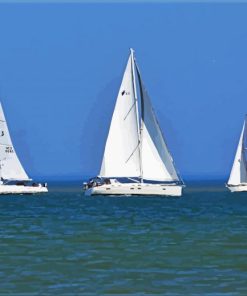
61	66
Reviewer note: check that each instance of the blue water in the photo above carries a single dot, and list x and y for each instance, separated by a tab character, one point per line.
64	243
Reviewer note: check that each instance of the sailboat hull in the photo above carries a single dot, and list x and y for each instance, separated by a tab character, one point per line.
19	189
238	188
135	189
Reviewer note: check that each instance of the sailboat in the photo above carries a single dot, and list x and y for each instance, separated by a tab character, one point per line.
238	177
13	178
136	159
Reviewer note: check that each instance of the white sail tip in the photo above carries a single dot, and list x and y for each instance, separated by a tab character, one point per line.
131	50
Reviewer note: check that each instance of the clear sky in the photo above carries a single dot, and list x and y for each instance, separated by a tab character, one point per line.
61	66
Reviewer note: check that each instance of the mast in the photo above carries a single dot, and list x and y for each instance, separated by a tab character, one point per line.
137	113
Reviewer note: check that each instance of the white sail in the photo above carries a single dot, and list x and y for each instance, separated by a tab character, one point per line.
157	163
10	166
238	173
121	155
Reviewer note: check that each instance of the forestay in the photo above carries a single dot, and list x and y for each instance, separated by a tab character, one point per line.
238	173
10	166
121	155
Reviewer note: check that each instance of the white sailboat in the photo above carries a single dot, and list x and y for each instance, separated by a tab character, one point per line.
13	178
238	177
136	159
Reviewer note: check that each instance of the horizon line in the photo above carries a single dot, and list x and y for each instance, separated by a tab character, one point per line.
123	2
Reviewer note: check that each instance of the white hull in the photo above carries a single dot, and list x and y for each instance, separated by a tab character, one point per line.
135	189
20	189
238	188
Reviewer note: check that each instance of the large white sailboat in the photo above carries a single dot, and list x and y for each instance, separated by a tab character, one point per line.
13	178
238	177
136	159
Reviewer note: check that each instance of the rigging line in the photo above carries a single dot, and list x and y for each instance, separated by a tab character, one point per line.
133	152
133	105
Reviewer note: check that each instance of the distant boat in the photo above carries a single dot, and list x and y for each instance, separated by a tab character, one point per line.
136	158
238	177
13	178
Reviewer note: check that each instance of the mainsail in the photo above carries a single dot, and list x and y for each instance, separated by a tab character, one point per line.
239	171
121	155
131	151
10	166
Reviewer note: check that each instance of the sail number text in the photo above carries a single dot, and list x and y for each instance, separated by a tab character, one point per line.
9	149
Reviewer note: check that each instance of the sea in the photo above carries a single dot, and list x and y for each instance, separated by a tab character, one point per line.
64	243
